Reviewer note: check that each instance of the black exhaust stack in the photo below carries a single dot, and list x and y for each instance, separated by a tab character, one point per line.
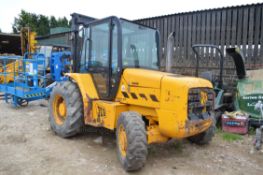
239	61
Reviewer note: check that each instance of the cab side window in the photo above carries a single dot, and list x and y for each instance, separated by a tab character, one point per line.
98	63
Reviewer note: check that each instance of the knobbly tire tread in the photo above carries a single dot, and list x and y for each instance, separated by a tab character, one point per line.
206	136
74	121
137	141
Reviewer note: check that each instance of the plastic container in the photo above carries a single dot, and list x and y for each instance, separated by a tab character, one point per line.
238	125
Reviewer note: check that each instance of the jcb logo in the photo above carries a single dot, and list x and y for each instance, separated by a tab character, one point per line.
203	97
101	112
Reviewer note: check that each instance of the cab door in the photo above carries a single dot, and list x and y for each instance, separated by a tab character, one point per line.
103	57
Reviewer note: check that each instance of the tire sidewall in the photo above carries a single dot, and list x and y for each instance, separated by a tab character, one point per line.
58	128
136	151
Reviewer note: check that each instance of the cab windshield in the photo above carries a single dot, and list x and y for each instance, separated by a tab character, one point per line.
139	46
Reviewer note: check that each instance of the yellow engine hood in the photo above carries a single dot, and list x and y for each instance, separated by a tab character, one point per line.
144	77
189	82
152	79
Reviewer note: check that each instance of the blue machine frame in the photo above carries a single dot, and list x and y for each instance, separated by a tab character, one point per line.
59	63
25	87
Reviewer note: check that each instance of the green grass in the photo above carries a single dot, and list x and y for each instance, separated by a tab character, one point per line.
252	131
231	137
178	146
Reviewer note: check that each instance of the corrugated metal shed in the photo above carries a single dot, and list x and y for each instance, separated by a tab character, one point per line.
202	10
57	30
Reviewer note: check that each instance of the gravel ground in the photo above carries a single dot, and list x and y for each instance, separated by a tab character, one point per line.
28	146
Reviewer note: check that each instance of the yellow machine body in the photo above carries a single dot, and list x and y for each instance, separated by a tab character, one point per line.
10	70
28	40
161	98
117	85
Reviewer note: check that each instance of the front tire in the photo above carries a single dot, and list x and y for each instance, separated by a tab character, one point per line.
131	141
66	109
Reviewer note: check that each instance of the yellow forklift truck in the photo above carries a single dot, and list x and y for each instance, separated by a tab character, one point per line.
117	85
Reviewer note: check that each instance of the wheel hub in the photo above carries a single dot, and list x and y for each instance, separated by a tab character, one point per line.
59	109
122	141
62	109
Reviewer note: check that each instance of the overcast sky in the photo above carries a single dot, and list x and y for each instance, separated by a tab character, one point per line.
129	9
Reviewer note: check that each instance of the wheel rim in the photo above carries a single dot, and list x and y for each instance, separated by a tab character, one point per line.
122	140
59	109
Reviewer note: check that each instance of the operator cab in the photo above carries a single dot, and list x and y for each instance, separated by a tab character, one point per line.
111	45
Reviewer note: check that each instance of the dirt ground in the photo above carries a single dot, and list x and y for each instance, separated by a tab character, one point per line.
28	146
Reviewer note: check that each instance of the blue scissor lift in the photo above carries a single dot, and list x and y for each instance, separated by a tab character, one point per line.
25	87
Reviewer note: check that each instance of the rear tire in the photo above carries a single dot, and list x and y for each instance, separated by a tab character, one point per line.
66	109
206	136
131	141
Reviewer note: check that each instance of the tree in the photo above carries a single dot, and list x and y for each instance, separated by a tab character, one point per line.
41	24
62	22
0	31
25	19
53	22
